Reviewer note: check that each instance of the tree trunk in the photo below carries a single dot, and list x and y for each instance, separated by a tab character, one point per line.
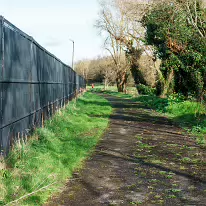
119	86
125	88
121	82
105	84
168	84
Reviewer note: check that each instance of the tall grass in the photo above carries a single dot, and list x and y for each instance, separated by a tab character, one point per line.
190	115
54	152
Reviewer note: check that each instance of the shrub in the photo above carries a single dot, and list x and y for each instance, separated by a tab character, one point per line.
145	90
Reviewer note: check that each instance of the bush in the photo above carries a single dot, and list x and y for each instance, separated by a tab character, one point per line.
179	45
154	102
145	90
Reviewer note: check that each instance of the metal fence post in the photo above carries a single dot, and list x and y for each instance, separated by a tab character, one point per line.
1	83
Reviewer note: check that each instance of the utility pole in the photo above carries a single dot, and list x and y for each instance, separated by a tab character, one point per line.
72	54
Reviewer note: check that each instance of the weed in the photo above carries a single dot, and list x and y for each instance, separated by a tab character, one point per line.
153	180
162	172
155	161
186	160
157	196
139	138
171	196
133	186
169	176
183	168
145	146
175	190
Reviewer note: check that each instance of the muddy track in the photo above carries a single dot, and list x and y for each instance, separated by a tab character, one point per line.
143	159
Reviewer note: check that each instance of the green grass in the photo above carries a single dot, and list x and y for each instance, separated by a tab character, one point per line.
131	91
189	114
54	152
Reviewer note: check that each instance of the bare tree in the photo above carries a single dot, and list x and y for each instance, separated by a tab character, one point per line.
120	24
192	9
111	25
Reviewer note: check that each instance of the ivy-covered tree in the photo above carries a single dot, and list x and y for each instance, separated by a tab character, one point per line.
177	29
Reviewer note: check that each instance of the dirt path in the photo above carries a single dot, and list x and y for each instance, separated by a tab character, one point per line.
143	159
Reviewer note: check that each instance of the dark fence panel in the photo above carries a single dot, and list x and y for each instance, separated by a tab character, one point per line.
33	85
1	85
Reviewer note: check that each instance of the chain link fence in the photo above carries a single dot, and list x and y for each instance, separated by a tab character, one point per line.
34	84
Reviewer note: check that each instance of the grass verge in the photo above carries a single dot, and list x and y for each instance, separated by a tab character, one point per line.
42	166
190	115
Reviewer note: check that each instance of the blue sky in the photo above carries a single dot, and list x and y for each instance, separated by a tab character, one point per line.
52	23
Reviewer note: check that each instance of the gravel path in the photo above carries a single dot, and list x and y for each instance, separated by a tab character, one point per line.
143	159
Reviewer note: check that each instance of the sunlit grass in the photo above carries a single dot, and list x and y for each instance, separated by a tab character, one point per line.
132	91
190	115
54	152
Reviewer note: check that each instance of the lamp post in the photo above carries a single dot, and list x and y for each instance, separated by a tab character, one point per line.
72	54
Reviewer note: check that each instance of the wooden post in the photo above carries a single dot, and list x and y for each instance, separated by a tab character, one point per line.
19	142
42	119
52	108
22	138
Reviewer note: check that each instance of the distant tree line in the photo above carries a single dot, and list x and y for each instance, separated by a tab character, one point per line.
100	69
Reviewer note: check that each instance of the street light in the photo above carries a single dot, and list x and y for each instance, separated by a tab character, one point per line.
72	54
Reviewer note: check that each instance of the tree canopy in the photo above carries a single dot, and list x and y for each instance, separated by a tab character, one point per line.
177	30
171	33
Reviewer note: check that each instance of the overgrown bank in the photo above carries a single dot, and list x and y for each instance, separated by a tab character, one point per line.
54	152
